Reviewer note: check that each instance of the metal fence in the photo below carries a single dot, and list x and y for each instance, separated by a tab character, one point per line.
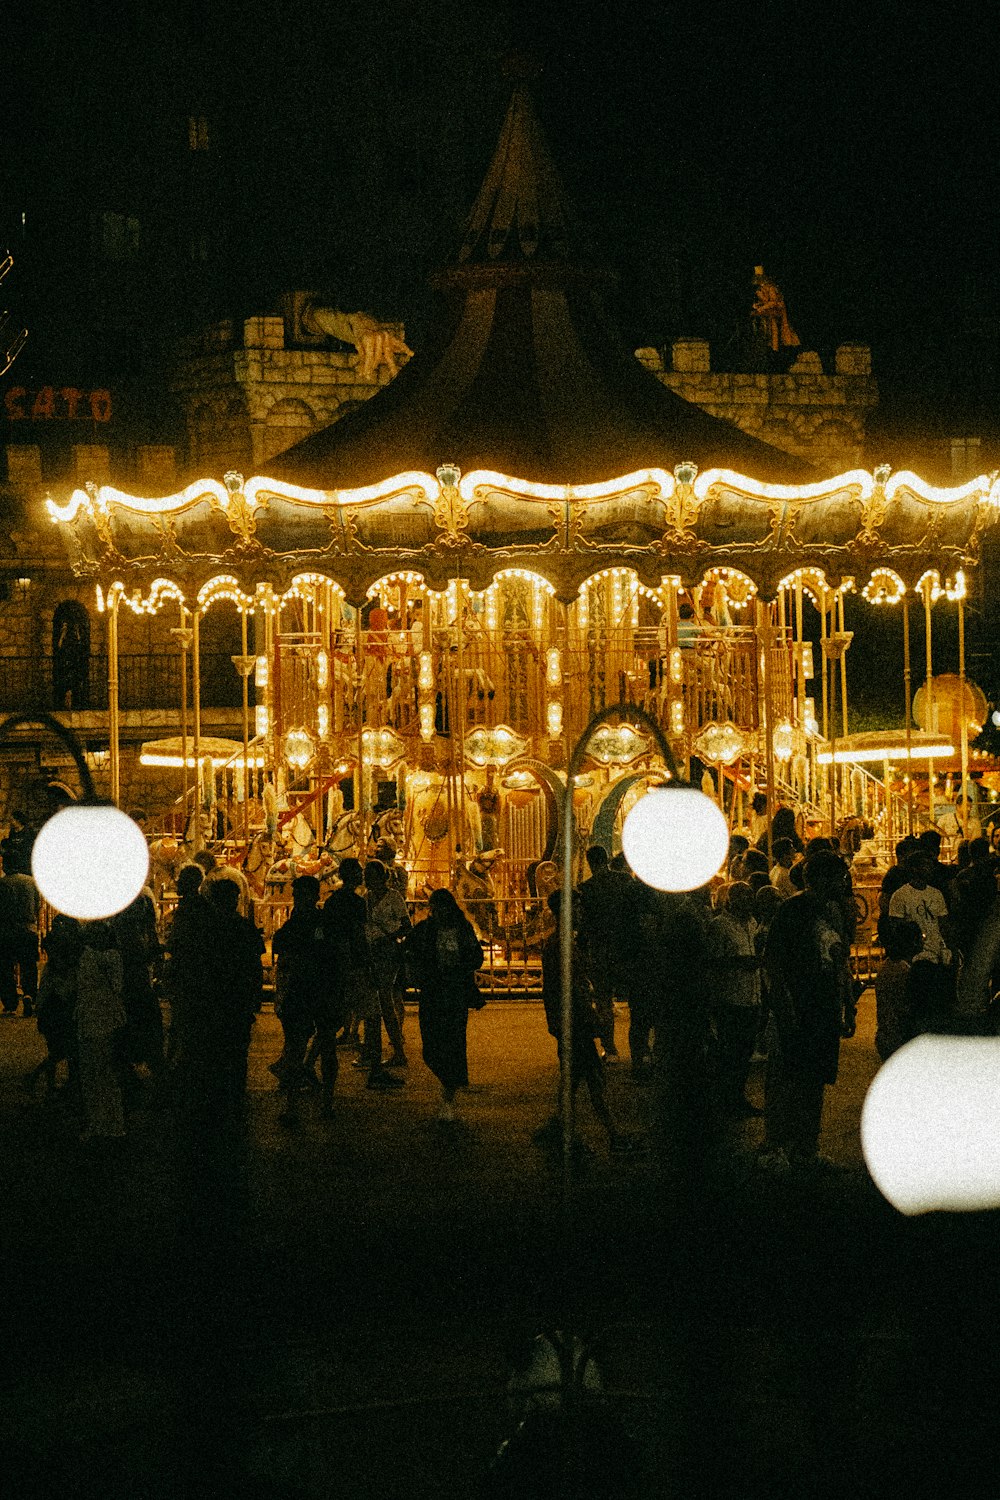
150	679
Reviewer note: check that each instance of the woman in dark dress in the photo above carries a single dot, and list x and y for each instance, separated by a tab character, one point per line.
444	953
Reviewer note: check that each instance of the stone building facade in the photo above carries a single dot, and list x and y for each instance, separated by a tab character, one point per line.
249	393
819	417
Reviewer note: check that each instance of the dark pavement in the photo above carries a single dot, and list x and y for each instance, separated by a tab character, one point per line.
333	1311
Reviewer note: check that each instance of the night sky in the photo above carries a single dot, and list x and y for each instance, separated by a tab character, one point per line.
851	149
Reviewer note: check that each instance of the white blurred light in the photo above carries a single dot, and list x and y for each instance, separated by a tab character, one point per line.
675	838
90	861
930	1126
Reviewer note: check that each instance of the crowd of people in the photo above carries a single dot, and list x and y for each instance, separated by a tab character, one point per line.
339	979
754	966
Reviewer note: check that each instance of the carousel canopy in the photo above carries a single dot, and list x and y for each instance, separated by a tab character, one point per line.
215	541
526	372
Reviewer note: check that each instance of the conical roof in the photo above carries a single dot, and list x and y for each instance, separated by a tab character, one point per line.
525	373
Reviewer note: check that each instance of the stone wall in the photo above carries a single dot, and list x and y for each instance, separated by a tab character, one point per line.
248	395
819	417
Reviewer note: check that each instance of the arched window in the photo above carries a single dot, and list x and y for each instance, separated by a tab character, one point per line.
71	655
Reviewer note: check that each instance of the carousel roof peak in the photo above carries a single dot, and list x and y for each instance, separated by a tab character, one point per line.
521	214
525	372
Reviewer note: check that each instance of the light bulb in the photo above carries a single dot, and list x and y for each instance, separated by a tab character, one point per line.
90	861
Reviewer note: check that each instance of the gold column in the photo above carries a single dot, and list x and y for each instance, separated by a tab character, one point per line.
113	719
462	707
246	669
929	695
196	737
800	684
964	722
766	634
359	783
182	633
826	666
907	721
843	663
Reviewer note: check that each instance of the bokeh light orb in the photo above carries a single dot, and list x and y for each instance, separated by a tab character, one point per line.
675	838
90	861
929	1125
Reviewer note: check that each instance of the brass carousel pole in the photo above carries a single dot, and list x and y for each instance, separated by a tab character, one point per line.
245	669
930	721
462	707
843	661
359	795
183	639
964	717
800	661
908	715
196	705
826	666
765	638
113	721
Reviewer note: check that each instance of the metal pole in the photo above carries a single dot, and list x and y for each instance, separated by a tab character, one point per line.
908	693
246	730
185	779
765	639
833	747
361	809
964	723
929	695
113	721
617	710
62	732
800	653
461	705
843	667
826	664
196	739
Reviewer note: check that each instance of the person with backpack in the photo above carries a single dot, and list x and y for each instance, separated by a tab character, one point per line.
444	955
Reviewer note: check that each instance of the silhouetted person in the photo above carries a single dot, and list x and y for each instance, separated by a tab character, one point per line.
812	1001
585	1066
62	946
20	905
188	938
306	1004
901	941
387	926
218	1025
602	903
444	954
100	1023
139	946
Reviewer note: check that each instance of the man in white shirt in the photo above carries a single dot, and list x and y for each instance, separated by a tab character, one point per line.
931	976
784	857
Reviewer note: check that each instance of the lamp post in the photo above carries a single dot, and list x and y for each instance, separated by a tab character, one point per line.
89	859
675	839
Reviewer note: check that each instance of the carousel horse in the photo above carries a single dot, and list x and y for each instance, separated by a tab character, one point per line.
205	827
387	825
474	889
166	855
342	838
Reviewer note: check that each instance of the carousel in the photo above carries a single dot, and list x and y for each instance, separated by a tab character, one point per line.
437	594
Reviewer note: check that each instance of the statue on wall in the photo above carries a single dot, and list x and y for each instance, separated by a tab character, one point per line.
770	316
378	345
